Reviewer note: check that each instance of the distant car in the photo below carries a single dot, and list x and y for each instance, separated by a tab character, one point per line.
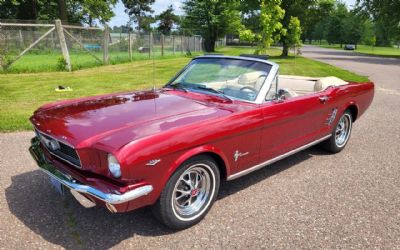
349	47
220	118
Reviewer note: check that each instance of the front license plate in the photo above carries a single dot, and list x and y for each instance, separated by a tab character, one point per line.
57	185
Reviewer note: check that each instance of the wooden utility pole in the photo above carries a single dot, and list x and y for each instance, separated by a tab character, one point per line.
63	44
106	44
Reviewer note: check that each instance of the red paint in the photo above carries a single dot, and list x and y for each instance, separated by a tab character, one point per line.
173	126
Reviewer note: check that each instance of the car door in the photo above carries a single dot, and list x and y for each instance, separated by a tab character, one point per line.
294	122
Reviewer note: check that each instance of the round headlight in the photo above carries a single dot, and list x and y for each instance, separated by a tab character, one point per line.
113	166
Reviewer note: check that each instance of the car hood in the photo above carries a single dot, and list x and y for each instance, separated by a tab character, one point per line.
84	122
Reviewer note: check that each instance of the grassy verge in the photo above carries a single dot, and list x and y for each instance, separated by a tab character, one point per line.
34	63
21	94
368	50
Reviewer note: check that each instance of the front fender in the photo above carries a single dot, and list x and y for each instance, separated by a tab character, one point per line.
204	149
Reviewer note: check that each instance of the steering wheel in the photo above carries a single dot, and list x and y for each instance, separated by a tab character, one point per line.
251	92
245	88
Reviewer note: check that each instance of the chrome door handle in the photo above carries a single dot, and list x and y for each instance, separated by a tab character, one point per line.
324	99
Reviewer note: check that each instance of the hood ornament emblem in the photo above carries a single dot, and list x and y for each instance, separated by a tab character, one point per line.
153	162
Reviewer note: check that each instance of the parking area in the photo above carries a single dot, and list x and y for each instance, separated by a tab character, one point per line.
309	200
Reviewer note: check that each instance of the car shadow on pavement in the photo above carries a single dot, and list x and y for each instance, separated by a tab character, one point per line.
62	221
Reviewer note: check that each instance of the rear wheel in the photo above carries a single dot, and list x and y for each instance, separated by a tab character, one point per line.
189	193
340	135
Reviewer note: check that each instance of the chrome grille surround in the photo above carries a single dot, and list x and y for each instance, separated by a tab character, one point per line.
62	150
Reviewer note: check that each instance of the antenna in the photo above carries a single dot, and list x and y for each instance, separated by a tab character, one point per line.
152	58
153	70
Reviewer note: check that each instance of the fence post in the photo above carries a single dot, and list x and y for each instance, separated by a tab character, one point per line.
150	43
130	46
106	44
181	44
63	44
162	44
173	45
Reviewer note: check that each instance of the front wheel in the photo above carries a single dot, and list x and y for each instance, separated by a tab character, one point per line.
340	134
189	193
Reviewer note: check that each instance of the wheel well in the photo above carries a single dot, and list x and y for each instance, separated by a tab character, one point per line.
220	163
354	111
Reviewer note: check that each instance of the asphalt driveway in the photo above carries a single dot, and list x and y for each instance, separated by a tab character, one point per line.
310	200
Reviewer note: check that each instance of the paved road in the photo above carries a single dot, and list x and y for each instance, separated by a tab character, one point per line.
310	200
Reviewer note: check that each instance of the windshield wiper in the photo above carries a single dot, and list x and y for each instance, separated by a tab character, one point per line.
178	85
221	93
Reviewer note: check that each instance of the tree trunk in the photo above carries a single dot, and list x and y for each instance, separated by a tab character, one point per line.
209	44
285	49
62	10
90	21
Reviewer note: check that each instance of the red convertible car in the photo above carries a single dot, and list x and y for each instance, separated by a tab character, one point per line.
218	119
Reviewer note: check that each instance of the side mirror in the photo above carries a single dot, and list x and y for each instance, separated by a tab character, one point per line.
281	95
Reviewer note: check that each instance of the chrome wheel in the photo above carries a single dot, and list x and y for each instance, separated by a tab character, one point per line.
343	129
193	192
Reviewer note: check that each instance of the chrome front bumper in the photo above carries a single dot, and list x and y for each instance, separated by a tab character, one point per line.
72	184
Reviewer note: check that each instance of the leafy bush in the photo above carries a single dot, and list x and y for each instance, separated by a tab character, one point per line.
61	64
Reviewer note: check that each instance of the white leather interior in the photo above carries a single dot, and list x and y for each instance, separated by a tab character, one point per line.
325	82
251	79
302	85
293	85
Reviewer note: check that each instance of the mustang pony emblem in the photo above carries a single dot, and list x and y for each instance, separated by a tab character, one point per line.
153	162
239	154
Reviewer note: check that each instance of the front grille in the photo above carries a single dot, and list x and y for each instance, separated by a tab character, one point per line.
63	151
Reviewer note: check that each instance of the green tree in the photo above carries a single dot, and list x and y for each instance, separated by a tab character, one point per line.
146	22
211	19
353	29
138	10
316	14
385	14
319	31
293	34
271	15
167	20
368	32
336	27
246	35
94	9
300	9
73	11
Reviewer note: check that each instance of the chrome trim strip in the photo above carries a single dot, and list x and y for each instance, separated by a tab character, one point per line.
106	197
280	157
65	160
66	143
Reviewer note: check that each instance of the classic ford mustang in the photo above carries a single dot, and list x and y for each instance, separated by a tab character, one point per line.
220	118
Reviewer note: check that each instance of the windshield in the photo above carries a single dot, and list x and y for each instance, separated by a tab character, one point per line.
231	78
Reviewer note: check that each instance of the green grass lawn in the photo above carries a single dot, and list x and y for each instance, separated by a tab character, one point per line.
34	63
21	94
369	50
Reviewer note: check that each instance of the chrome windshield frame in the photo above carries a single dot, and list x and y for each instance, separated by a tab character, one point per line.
267	82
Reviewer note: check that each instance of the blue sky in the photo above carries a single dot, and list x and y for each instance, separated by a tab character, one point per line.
121	18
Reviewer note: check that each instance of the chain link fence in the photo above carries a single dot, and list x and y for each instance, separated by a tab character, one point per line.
36	46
